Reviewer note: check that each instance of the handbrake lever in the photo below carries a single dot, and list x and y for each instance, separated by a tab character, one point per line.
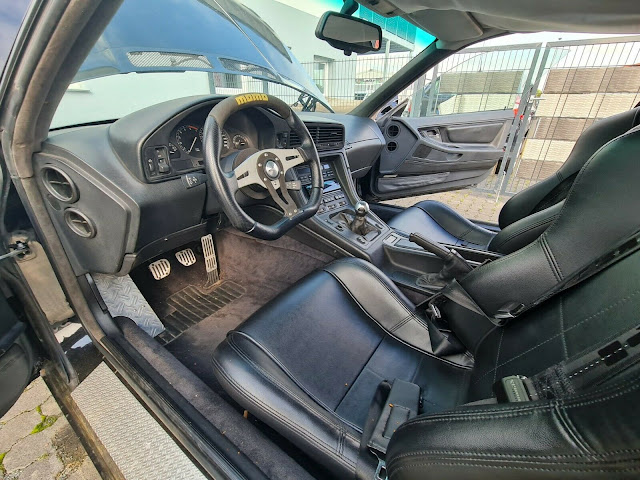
454	265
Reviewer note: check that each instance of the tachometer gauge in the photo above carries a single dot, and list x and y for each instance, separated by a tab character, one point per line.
189	140
240	142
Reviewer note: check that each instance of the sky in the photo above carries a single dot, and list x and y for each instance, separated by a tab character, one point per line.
11	14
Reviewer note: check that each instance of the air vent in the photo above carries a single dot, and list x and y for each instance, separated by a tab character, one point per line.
59	184
79	223
325	136
393	130
391	146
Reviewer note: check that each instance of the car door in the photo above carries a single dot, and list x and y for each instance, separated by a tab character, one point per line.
439	152
17	357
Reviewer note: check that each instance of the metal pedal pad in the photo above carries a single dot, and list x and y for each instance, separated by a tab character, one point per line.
186	257
210	260
160	269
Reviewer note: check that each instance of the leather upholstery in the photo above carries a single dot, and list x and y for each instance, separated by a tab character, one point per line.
309	362
528	213
439	222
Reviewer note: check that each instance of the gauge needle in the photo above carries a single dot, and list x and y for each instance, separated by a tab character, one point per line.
192	144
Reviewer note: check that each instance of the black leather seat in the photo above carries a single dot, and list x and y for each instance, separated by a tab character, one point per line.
308	363
527	214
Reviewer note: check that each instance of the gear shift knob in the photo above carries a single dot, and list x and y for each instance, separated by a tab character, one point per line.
361	208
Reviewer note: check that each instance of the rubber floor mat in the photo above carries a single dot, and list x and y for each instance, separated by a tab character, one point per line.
192	304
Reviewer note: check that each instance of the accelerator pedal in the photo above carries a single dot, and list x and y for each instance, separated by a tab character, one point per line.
186	257
210	260
160	269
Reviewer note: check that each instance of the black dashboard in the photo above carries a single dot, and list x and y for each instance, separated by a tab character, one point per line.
124	209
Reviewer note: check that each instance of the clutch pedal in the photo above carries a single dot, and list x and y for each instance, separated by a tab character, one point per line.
186	257
160	269
210	260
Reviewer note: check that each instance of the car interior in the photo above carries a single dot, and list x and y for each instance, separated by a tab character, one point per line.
307	333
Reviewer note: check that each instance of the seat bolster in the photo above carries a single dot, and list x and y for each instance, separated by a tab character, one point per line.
256	381
438	222
542	440
525	230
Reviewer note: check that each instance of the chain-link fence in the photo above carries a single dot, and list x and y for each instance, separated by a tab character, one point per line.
556	91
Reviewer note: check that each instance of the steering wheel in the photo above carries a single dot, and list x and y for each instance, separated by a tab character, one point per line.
266	168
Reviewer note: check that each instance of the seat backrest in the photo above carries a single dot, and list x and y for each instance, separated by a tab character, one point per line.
554	189
590	434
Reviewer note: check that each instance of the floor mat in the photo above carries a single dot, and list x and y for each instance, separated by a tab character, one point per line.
260	269
192	305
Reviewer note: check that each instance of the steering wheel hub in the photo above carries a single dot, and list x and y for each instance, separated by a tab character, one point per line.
271	169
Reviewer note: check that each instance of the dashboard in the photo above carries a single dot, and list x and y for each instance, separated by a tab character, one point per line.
123	192
176	147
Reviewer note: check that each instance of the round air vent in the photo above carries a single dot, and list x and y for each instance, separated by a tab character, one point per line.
79	223
391	146
59	184
393	130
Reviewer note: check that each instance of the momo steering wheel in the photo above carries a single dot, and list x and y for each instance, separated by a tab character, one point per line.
266	168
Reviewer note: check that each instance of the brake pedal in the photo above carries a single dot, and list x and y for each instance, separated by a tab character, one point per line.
210	260
186	257
160	269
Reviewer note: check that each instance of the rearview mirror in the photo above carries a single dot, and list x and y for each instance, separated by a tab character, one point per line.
348	33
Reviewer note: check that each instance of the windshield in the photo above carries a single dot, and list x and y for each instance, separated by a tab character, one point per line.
158	50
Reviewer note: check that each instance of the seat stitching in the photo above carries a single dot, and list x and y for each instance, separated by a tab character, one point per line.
545	249
590	317
514	467
445	229
381	281
492	413
525	229
424	352
562	333
569	429
495	370
582	173
517	455
276	382
285	420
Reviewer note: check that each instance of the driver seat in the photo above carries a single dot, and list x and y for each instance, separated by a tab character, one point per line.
525	215
309	362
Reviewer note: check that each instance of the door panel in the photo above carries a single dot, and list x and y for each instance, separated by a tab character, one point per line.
444	152
16	357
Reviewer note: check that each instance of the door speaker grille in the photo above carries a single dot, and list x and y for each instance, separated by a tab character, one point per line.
392	146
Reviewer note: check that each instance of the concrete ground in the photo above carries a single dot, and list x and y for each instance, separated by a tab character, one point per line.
37	442
469	203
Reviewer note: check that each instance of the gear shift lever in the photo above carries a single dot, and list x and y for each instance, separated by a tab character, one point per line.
359	224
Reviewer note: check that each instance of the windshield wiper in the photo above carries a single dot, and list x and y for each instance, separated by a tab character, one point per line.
307	101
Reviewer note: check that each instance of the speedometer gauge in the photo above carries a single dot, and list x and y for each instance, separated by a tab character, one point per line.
189	140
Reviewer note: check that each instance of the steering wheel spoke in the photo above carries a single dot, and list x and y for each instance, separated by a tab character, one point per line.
266	168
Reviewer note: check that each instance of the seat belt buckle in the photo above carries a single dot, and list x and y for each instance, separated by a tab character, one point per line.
515	388
381	469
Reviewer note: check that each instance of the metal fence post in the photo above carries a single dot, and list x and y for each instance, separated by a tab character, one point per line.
518	126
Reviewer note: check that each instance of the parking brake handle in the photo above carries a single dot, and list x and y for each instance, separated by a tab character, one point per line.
454	265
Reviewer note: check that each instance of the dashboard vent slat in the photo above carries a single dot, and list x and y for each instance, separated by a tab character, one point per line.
59	184
325	136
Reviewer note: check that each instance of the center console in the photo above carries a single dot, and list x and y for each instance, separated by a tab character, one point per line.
338	217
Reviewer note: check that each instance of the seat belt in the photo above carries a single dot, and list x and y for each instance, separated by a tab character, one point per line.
392	405
589	370
457	294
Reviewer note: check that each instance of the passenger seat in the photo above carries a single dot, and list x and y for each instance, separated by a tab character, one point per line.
527	214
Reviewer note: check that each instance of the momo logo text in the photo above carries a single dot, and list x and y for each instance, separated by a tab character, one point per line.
252	97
